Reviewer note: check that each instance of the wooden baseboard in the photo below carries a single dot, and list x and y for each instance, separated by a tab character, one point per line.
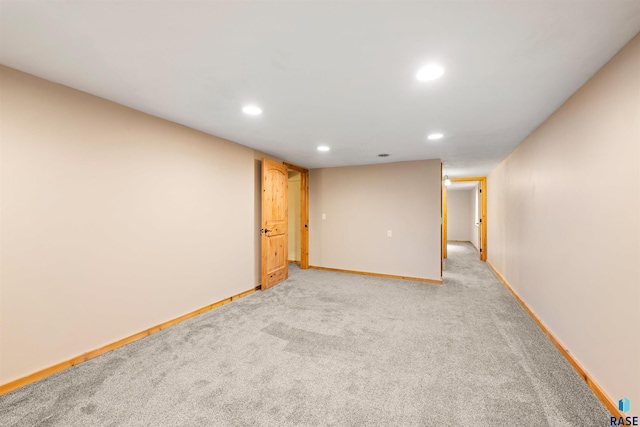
291	261
21	382
597	390
388	276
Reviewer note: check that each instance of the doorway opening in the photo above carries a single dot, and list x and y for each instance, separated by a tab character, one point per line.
275	220
298	202
464	214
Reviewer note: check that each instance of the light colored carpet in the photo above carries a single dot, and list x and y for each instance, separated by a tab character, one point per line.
327	348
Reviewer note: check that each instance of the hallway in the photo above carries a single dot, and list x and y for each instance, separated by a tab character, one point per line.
520	367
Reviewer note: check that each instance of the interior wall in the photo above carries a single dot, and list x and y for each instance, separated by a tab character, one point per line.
112	221
564	214
294	216
362	203
475	208
459	215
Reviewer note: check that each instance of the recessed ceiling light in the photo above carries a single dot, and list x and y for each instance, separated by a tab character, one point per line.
434	136
323	148
252	110
430	72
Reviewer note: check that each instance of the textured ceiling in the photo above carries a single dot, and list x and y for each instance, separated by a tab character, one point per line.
334	73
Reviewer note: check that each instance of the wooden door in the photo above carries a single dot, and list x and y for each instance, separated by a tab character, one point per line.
274	231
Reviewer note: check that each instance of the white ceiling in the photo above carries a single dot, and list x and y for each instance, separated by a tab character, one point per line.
462	186
325	72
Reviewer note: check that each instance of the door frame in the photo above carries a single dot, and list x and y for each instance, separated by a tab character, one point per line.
304	213
444	221
482	185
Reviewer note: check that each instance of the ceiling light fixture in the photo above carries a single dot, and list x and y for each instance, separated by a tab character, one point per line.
252	110
447	181
383	155
434	136
429	72
323	148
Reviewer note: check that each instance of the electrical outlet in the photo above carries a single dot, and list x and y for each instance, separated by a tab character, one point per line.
389	233
324	216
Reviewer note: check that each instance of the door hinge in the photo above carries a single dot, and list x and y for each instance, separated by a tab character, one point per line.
480	220
480	250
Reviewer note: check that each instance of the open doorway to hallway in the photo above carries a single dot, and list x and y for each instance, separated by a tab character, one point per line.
464	214
298	215
294	217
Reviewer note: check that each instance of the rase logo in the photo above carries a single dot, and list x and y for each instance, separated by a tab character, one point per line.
624	405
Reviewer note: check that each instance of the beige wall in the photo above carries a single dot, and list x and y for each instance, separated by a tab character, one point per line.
563	224
459	215
112	221
475	207
294	216
362	203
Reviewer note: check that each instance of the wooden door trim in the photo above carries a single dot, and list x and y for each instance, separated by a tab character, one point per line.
482	185
295	167
304	213
444	221
468	178
483	226
304	220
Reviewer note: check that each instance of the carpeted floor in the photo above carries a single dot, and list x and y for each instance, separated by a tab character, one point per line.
327	348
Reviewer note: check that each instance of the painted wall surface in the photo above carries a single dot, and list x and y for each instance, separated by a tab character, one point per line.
294	217
459	215
112	221
475	208
564	224
361	203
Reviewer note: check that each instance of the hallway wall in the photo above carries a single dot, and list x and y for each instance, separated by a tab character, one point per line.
475	206
294	216
459	215
362	203
564	224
